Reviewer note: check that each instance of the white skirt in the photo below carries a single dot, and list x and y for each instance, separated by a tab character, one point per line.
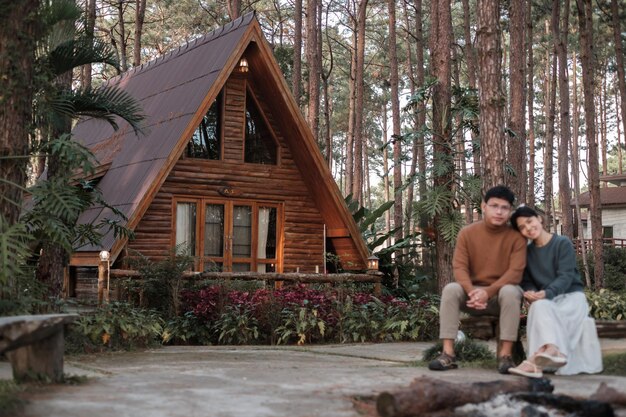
564	321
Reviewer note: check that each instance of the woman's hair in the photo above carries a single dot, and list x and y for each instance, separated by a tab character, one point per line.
522	211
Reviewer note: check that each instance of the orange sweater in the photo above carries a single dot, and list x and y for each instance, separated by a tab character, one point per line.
488	256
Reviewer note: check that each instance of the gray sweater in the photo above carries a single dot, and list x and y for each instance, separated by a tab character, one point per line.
552	268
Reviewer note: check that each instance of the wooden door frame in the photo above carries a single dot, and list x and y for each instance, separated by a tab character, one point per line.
229	204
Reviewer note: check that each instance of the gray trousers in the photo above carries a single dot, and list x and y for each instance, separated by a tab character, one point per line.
507	305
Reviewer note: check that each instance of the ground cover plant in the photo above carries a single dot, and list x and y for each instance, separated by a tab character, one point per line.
10	403
299	314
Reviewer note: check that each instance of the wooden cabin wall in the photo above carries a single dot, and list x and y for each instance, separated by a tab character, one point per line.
283	183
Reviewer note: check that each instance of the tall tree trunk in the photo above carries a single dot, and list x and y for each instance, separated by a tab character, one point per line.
140	14
357	185
327	101
90	25
408	209
328	145
296	75
619	54
470	57
530	91
234	9
576	177
560	39
584	8
548	158
51	265
421	109
122	33
603	140
17	57
312	27
386	185
395	122
619	137
440	46
517	120
351	116
491	98
459	143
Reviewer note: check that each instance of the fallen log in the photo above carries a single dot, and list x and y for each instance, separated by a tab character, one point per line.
581	408
609	395
426	395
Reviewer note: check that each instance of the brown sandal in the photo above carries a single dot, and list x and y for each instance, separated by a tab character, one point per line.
443	362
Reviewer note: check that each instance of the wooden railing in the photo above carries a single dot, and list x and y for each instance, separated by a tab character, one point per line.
616	243
374	277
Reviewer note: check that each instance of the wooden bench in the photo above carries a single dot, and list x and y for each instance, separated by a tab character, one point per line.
35	344
487	328
611	329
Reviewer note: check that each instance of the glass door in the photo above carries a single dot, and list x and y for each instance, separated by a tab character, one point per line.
241	238
215	240
229	235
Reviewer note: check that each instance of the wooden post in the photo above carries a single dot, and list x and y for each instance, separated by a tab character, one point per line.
102	275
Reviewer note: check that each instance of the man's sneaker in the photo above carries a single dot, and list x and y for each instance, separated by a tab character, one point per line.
505	363
443	362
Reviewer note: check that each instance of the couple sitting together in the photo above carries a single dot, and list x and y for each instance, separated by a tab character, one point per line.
496	266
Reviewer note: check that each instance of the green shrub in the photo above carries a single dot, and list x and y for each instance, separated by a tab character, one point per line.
467	350
10	403
237	326
301	325
161	282
606	305
187	329
355	322
115	326
614	268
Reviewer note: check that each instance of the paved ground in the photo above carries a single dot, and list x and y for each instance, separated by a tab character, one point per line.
255	381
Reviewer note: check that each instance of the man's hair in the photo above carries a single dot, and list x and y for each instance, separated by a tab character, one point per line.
500	191
522	211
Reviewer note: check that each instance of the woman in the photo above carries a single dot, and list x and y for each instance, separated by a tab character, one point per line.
560	334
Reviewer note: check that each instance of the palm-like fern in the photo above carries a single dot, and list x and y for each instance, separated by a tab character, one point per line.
57	201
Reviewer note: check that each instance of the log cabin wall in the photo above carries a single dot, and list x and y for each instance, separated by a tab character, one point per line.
282	183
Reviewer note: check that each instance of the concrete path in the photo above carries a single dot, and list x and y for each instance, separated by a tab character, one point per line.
258	381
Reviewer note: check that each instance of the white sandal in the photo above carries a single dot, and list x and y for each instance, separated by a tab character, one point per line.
546	360
536	370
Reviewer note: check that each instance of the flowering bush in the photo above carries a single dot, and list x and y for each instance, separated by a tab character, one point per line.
301	314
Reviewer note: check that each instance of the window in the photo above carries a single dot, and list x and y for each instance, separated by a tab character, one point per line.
260	147
234	236
186	228
206	140
607	232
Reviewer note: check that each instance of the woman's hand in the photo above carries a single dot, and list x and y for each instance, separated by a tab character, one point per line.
531	296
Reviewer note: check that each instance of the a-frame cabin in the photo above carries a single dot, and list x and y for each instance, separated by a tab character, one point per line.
228	166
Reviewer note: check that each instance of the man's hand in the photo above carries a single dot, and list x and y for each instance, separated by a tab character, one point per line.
531	296
477	299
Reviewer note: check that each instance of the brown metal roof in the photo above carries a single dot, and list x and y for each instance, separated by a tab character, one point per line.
170	90
175	91
609	196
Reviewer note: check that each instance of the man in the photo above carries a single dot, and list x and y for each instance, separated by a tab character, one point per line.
488	264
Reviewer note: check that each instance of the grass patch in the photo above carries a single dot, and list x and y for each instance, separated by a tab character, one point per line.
467	350
615	364
10	403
